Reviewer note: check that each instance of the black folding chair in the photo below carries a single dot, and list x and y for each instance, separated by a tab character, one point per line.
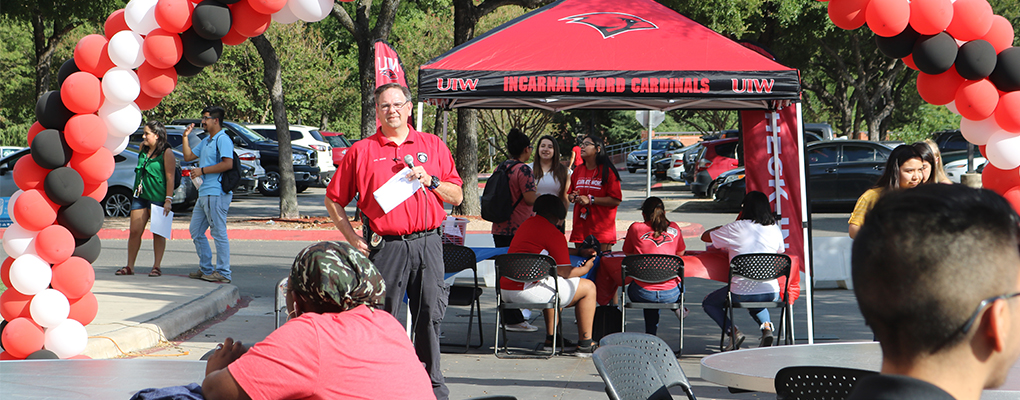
660	354
458	258
817	383
761	267
653	268
628	374
524	268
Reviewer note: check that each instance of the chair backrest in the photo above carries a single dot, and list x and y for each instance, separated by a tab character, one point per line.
653	268
523	267
628	374
458	258
760	266
657	350
821	383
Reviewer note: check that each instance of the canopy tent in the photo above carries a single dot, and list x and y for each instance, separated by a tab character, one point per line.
618	54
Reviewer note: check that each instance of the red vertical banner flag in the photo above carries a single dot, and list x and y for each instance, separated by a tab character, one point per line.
388	69
773	167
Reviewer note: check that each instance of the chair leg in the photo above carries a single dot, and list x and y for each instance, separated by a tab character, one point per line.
495	347
792	337
681	309
481	335
471	317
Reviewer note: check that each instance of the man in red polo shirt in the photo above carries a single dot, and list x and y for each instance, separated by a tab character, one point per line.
403	242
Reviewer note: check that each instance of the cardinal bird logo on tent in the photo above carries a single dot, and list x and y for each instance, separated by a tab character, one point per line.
610	24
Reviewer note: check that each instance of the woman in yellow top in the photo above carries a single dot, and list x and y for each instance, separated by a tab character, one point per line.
903	170
154	184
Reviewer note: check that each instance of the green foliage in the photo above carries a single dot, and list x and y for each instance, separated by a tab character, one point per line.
17	87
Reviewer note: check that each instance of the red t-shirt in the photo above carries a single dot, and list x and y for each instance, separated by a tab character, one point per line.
599	220
534	235
350	355
371	162
577	156
640	240
522	180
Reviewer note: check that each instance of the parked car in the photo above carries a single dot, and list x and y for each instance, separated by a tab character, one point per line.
956	169
661	148
690	159
714	158
339	143
670	168
175	136
309	137
821	131
306	160
8	150
839	171
951	140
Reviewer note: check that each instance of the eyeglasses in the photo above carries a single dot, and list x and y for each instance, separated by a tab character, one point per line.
394	106
205	117
586	144
981	306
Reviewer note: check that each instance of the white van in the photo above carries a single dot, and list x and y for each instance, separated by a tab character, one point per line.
305	136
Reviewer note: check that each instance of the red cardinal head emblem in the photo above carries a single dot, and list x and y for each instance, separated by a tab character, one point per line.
610	24
659	241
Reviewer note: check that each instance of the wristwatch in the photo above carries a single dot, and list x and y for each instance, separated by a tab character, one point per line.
435	183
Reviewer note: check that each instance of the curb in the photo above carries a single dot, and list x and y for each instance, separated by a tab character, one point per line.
164	327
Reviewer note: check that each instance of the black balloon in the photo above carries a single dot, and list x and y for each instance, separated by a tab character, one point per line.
1006	75
42	355
898	46
185	68
83	218
50	150
200	52
934	55
975	60
3	324
211	19
51	112
63	186
66	69
87	248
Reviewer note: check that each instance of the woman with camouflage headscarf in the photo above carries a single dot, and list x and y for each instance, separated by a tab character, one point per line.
336	344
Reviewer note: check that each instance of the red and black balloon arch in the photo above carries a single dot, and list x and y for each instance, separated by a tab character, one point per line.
144	48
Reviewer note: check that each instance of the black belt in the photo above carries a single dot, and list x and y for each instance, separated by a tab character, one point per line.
411	236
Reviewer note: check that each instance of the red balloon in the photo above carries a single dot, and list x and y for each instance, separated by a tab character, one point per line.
5	356
909	61
929	17
34	129
999	180
95	190
233	38
888	17
74	277
174	15
981	149
14	305
268	7
976	100
115	23
971	19
93	167
22	337
162	49
5	271
54	244
91	55
34	211
848	14
157	82
146	102
1007	112
28	175
1000	35
939	89
1013	197
84	309
85	133
248	21
80	93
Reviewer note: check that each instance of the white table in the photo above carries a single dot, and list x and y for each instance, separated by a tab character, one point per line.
755	369
93	379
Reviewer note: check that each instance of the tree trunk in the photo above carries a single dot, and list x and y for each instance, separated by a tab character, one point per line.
467	161
366	59
44	48
273	79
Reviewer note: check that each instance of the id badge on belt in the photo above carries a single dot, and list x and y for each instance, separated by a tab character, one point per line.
375	241
584	213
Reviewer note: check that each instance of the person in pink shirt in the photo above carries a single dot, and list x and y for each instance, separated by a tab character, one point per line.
656	235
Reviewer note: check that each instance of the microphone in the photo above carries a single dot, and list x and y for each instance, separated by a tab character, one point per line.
409	161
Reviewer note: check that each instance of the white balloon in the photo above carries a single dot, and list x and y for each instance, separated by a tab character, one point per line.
125	50
121	86
140	16
952	107
49	308
116	144
67	339
978	132
285	16
121	119
310	10
10	205
30	274
18	241
1003	150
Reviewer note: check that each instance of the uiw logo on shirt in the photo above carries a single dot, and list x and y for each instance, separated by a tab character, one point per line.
589	183
667	237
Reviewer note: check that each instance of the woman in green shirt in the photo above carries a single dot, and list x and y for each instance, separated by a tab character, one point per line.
154	184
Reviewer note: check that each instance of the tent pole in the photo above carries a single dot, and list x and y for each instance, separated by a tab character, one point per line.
805	225
446	122
421	109
648	156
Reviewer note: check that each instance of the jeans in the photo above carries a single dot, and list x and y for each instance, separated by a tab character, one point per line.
639	294
713	305
211	213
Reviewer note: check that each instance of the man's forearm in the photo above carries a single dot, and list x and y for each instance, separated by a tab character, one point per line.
450	193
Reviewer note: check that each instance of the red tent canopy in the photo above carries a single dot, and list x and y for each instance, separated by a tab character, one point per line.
605	54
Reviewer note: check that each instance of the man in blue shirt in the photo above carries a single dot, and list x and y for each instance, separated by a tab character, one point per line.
215	155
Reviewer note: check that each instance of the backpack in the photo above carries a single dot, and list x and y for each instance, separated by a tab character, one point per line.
497	200
230	178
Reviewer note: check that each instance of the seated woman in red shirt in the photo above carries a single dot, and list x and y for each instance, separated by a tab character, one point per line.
656	235
539	235
336	345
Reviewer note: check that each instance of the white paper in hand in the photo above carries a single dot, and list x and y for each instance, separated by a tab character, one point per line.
396	190
159	224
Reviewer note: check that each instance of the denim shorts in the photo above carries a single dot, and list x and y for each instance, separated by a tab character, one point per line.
138	203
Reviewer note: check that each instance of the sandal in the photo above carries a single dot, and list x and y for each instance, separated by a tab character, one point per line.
124	271
155	272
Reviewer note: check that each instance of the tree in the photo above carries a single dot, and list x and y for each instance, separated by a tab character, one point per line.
273	79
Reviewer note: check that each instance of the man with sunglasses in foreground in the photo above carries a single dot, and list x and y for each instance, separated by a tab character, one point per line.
937	277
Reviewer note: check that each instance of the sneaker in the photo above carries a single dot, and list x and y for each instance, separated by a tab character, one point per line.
766	335
195	275
585	352
215	277
682	313
734	344
522	327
